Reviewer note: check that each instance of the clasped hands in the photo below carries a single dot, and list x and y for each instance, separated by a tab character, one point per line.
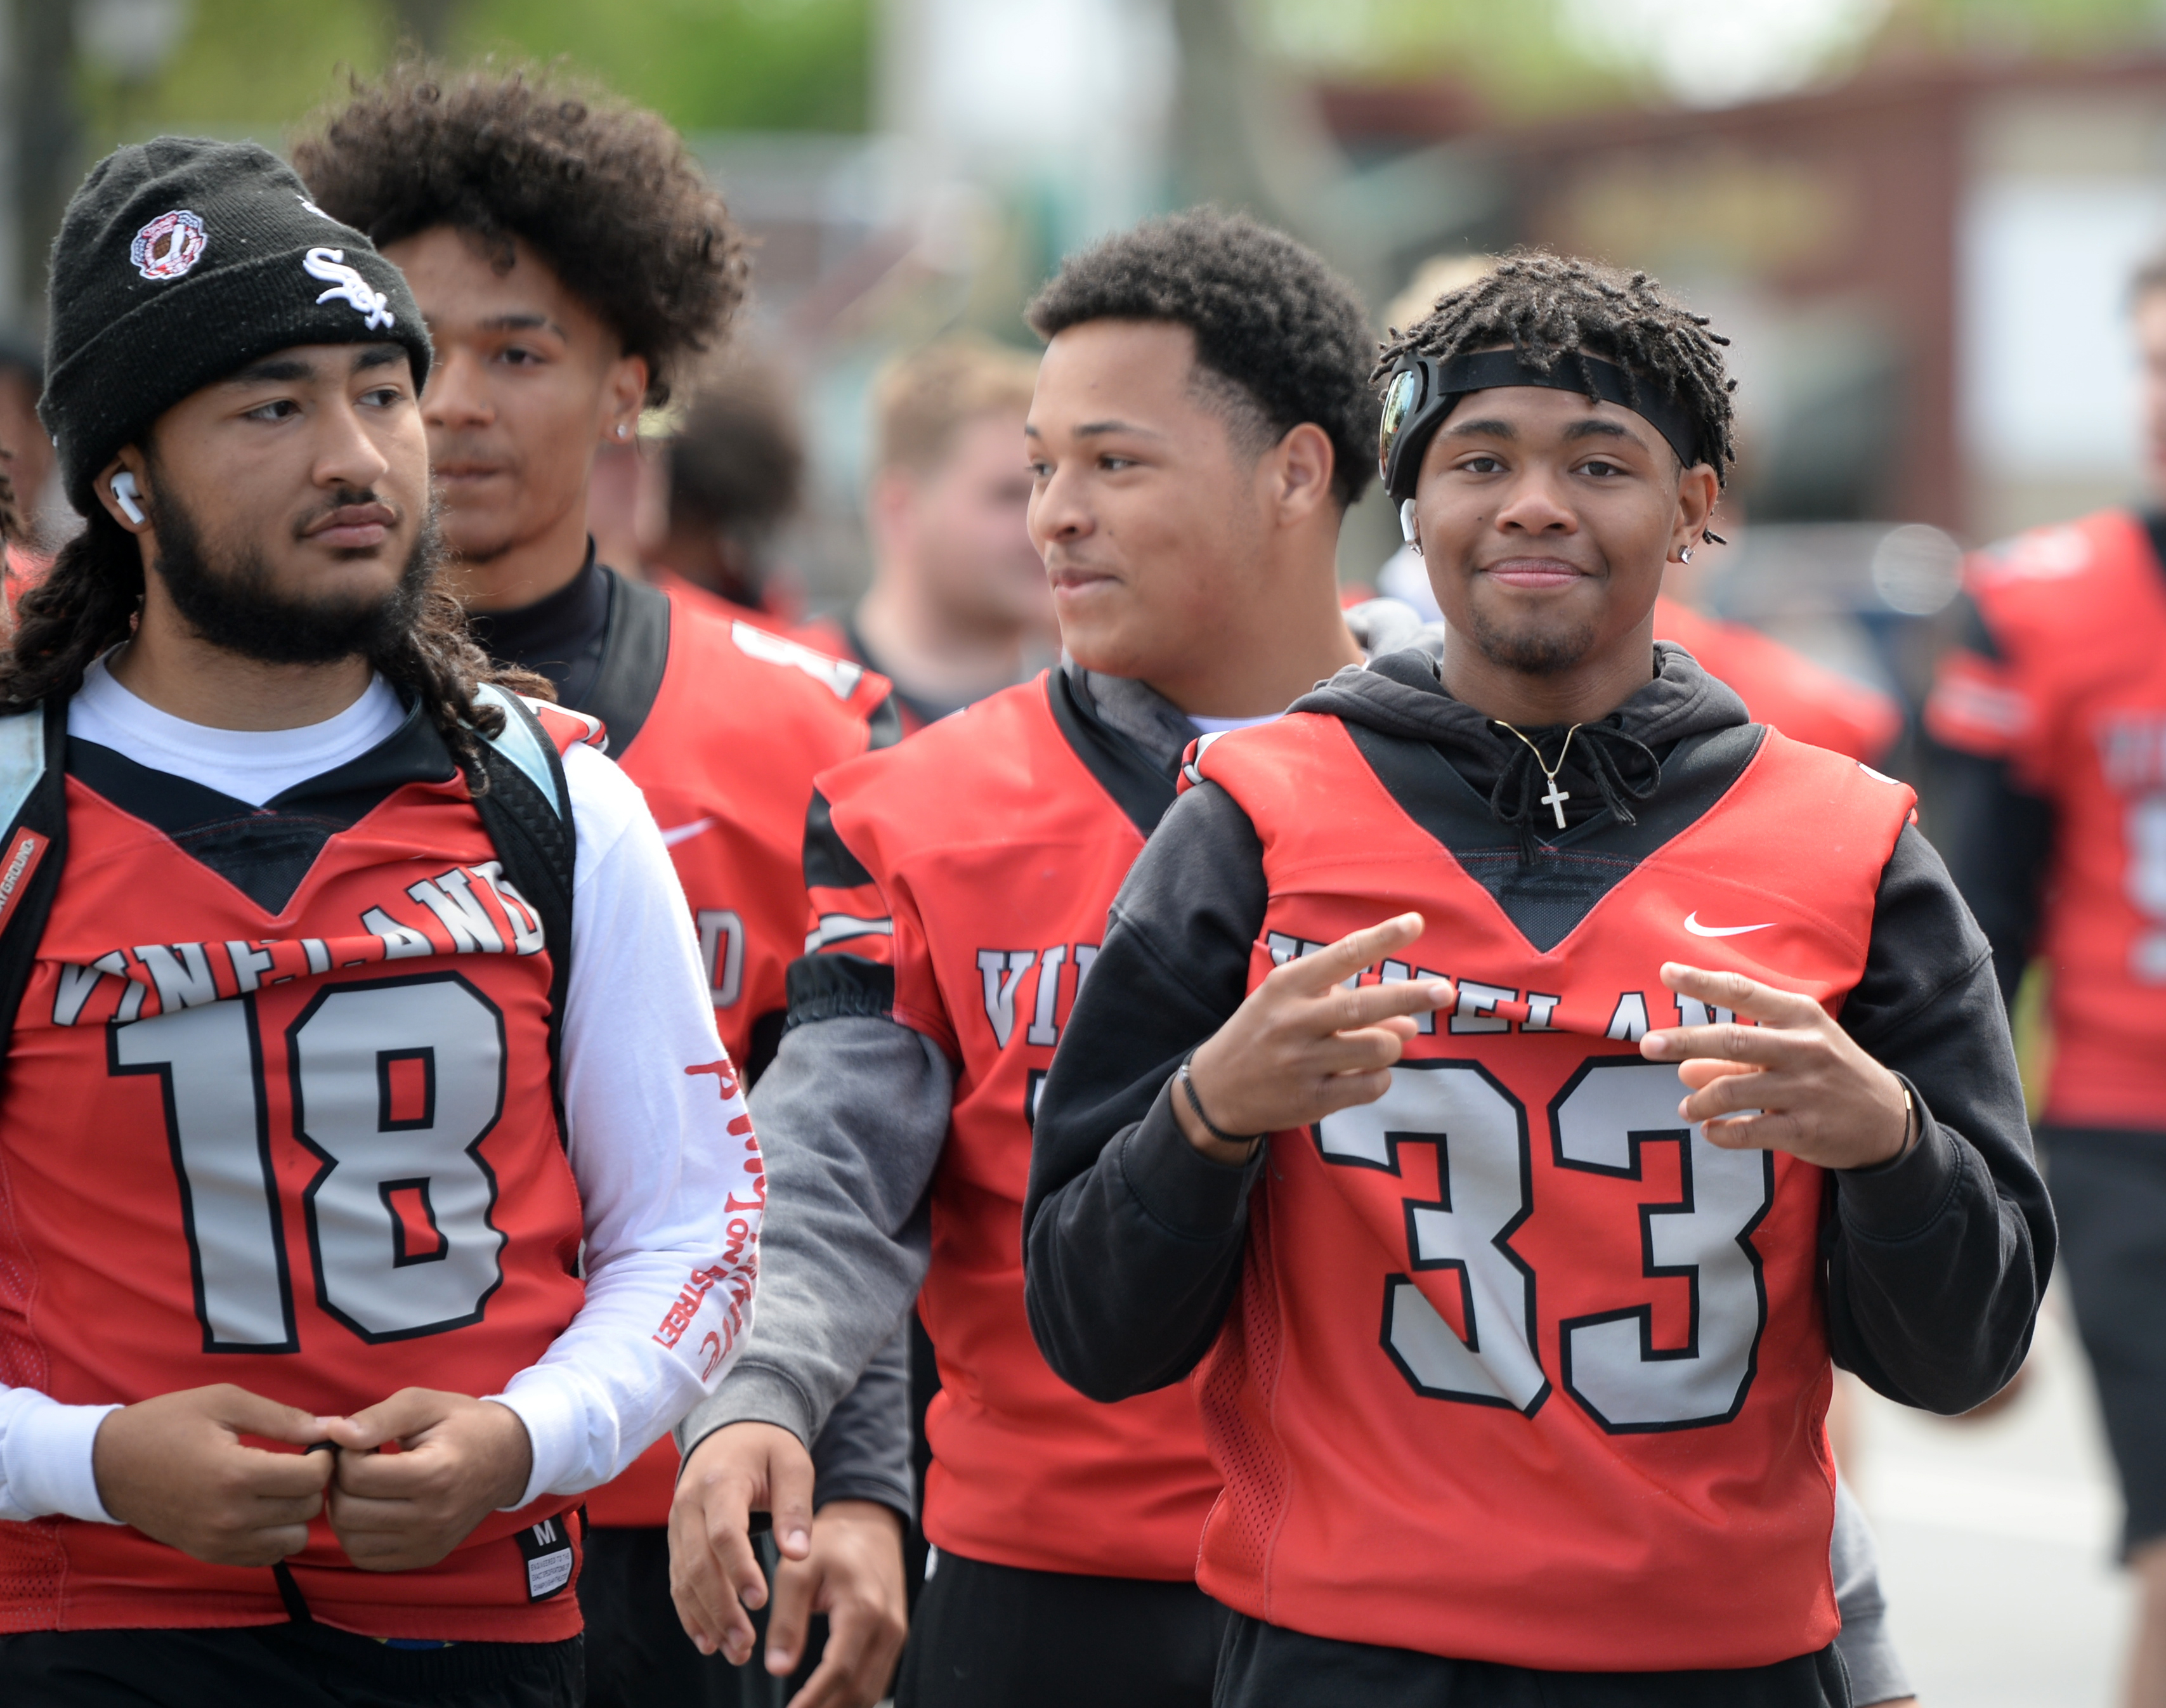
403	1482
1303	1045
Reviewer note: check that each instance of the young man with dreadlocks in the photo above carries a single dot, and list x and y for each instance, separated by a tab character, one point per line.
362	1096
1514	1363
571	261
1201	420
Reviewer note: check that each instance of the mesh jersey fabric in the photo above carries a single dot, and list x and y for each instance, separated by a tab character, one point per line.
959	886
1517	1297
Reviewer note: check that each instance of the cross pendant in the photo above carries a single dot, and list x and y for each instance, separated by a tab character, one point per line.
1555	801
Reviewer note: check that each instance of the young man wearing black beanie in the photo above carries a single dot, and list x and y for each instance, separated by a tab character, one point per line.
562	303
373	1182
1201	420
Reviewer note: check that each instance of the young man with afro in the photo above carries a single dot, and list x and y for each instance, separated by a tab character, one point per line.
571	262
1370	1115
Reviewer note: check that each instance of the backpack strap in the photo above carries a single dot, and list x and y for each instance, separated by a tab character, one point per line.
34	806
527	811
635	654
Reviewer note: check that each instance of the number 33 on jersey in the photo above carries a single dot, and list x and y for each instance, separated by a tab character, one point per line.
1516	1296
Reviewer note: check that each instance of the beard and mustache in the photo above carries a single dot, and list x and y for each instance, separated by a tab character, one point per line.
1529	648
231	598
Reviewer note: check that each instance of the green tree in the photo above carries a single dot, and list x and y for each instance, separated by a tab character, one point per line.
255	66
705	65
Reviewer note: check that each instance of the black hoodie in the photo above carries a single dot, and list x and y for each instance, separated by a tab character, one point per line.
1935	1263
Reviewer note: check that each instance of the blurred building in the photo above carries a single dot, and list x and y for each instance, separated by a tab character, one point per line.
1924	270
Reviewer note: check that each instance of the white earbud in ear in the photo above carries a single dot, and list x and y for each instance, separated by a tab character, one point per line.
125	495
1407	525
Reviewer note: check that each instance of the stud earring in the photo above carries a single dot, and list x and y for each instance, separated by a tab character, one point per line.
1685	556
622	431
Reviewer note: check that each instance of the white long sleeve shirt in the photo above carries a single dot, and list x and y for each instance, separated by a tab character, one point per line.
669	1193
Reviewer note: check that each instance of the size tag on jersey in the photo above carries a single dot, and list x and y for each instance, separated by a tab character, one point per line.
18	867
546	1548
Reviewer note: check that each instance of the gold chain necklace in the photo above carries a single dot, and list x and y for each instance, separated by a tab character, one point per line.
1557	797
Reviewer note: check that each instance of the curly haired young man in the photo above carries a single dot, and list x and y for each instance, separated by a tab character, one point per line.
571	262
1369	1114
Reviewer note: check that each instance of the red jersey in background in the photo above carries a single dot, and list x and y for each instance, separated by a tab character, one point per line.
1783	688
2068	690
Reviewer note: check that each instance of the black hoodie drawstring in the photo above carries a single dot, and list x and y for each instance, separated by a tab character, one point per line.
1623	767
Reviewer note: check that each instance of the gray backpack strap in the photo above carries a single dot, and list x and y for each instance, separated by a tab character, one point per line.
527	745
527	810
34	806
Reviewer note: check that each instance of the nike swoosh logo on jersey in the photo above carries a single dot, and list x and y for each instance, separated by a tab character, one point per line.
685	832
1693	925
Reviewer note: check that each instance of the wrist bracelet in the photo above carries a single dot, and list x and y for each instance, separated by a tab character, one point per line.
1195	1103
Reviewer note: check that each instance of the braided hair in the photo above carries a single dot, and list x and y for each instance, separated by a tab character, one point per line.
87	602
1555	308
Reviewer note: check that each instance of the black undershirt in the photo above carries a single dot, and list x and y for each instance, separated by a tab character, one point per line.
559	635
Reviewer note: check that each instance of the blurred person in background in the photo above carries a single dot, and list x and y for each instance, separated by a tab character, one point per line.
561	304
1780	686
958	607
736	477
23	438
11	519
22	378
2047	768
1201	420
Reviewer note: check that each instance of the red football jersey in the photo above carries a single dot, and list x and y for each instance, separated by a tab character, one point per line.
2076	705
681	588
991	850
1522	1369
1780	686
309	1147
725	757
829	634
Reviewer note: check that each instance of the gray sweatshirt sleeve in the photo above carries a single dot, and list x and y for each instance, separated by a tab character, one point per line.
851	1120
863	1450
1876	1671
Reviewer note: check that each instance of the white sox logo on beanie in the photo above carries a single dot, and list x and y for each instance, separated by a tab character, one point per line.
169	245
330	265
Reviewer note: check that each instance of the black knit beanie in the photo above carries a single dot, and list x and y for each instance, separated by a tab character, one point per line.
180	260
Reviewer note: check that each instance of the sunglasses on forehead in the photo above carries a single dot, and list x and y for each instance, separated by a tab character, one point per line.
1423	390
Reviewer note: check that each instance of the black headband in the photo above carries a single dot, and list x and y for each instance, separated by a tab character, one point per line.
1443	383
